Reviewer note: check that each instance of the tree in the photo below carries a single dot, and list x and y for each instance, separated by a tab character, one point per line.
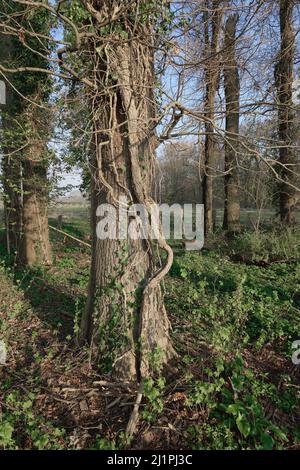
35	245
178	177
25	133
232	96
284	76
125	321
11	167
213	20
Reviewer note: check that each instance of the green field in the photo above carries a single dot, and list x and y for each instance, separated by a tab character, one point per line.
71	212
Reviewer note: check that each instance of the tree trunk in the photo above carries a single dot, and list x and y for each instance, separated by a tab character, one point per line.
125	321
232	95
24	171
35	245
212	75
25	193
11	165
288	166
12	196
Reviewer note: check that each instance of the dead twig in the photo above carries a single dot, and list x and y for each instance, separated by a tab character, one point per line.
134	418
70	236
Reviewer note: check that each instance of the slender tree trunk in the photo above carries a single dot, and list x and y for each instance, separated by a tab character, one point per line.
12	194
125	320
212	75
11	164
232	95
289	167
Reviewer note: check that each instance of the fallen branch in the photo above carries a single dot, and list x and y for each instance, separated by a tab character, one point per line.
70	236
134	418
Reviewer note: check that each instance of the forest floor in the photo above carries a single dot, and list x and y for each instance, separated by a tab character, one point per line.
235	312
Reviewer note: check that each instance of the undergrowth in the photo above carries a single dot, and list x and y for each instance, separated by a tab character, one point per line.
234	385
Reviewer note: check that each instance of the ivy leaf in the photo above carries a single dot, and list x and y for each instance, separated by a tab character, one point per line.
124	35
233	409
6	431
243	425
267	441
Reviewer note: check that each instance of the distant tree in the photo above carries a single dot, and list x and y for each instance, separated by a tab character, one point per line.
212	18
232	96
179	175
288	167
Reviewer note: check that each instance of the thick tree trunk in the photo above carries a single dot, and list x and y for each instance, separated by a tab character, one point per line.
289	166
212	75
232	95
25	195
35	245
125	320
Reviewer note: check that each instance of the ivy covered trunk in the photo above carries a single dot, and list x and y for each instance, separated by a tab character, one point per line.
12	197
10	164
25	187
35	246
125	321
24	136
232	94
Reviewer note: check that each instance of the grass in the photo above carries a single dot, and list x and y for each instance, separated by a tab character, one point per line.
234	310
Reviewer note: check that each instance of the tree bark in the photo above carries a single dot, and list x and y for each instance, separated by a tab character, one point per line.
232	95
212	74
25	192
125	321
12	196
35	246
288	165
